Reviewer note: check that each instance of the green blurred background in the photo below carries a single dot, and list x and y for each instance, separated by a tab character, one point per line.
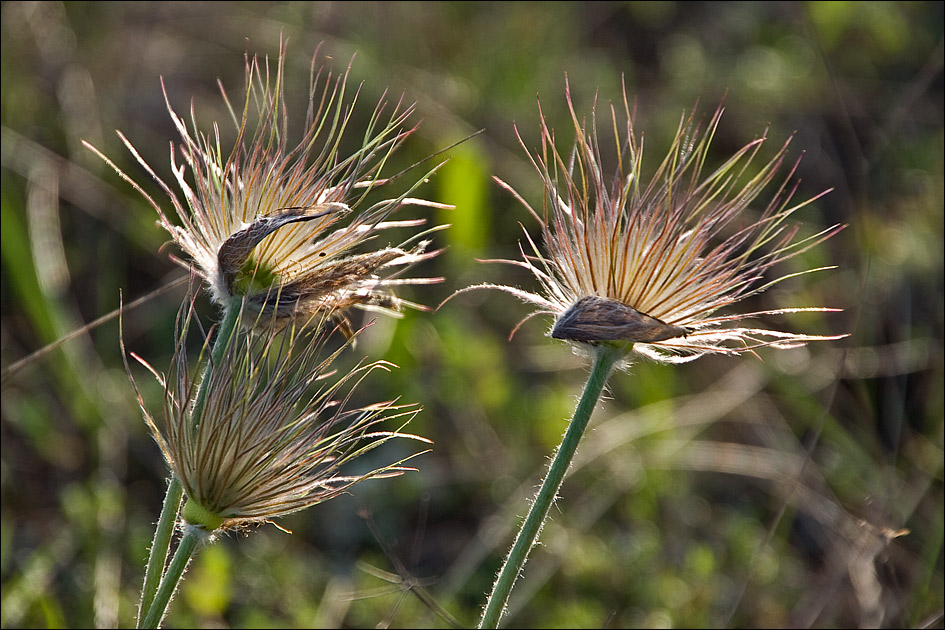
743	492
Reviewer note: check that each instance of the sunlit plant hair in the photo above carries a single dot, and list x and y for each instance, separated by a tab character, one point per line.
276	429
651	261
263	220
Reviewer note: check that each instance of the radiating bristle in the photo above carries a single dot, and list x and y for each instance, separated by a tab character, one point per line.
277	430
269	217
671	250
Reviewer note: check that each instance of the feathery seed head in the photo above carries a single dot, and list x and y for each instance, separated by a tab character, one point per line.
264	221
648	264
277	430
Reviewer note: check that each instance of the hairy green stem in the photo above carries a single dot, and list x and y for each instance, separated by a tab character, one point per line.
164	531
231	315
160	546
185	551
605	359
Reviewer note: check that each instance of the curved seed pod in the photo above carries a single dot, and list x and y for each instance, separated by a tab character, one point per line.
235	250
594	318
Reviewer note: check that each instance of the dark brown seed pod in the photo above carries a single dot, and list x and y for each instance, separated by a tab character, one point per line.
595	318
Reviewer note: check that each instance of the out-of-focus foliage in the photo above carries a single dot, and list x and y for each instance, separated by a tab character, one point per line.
749	492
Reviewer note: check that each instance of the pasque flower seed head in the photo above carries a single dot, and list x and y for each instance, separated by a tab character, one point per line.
283	225
651	263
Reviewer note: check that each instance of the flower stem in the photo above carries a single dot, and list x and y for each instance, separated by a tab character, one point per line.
185	551
231	315
164	531
160	546
605	359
